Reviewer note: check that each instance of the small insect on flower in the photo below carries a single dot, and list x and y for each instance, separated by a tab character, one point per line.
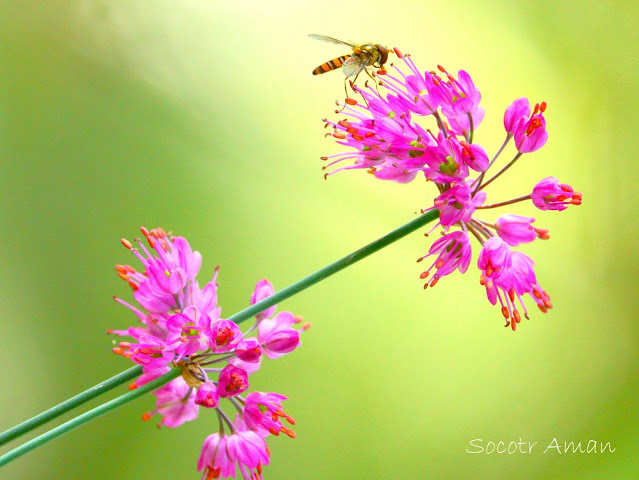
363	56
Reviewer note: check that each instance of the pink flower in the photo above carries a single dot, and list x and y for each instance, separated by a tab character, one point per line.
453	253
152	353
232	381
276	335
531	135
248	450
549	194
207	396
189	331
225	335
515	229
517	111
214	459
455	204
456	96
175	404
262	412
249	350
263	289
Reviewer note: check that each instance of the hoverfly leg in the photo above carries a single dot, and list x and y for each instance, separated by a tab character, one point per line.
374	80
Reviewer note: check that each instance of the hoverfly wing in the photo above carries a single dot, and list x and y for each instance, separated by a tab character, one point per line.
327	39
354	65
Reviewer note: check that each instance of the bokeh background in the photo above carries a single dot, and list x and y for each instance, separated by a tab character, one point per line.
203	117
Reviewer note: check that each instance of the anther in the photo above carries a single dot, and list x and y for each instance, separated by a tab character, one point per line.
398	52
126	243
351	101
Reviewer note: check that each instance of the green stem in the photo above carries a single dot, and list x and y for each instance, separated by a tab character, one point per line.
70	404
237	318
88	416
335	267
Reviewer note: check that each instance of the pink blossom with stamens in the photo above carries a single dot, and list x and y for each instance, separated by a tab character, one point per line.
249	350
225	335
549	194
455	204
248	450
188	331
214	459
175	403
207	396
530	135
453	253
515	229
232	381
262	412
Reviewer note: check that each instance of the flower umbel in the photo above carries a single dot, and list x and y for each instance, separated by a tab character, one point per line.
180	326
383	137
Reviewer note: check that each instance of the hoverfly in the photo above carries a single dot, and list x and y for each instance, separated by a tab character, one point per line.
353	64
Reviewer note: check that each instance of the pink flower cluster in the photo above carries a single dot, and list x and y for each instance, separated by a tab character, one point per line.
383	138
180	325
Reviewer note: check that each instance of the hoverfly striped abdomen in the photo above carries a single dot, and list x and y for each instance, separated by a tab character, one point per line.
330	65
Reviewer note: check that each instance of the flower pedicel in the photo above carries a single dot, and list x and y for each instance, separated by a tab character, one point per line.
384	140
181	326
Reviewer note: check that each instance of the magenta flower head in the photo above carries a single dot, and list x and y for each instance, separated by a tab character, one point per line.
515	229
530	135
277	335
233	381
207	396
549	194
387	135
214	459
453	253
174	404
249	350
517	111
225	335
179	326
262	413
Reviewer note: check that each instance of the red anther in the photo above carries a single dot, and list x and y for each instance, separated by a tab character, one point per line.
132	386
109	331
259	468
489	284
505	312
351	101
324	168
344	123
482	279
125	344
324	158
298	319
146	417
405	171
423	275
511	294
288	432
126	243
326	176
381	71
151	241
547	304
561	198
489	269
439	263
575	201
441	69
439	203
118	351
577	195
536	110
120	269
542	107
370	172
420	259
542	308
134	286
339	135
434	281
123	276
369	134
516	316
513	325
351	130
127	354
274	431
507	324
306	326
566	188
357	137
213	473
144	231
537	294
398	52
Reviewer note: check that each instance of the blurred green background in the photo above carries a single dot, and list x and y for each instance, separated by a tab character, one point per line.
203	117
